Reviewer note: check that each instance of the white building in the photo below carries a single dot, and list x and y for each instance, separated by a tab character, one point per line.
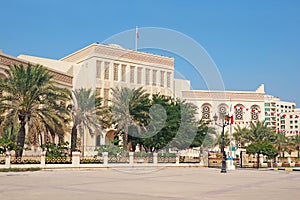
103	67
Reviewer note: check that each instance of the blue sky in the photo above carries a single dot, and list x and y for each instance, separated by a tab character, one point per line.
251	42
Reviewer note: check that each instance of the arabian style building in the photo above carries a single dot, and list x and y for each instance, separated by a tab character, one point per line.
103	67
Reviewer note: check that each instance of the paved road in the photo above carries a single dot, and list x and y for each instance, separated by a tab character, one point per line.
166	183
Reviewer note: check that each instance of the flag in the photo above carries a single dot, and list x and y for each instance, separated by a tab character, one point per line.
137	32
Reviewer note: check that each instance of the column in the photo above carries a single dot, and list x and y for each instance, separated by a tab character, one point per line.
155	161
105	158
7	159
75	159
43	159
131	158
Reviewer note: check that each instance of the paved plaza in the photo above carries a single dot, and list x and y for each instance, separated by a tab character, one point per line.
150	183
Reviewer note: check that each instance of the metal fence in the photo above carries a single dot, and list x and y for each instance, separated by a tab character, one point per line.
27	159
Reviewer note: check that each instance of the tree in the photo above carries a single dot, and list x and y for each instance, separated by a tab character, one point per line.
259	136
264	147
30	96
281	143
296	143
260	131
240	134
88	113
206	136
130	109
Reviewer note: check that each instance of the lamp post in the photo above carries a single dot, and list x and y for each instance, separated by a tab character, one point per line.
225	120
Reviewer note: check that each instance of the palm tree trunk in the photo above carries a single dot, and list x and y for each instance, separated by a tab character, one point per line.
21	139
125	137
73	138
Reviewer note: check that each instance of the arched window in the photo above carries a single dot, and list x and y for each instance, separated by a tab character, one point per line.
254	112
238	110
223	110
205	111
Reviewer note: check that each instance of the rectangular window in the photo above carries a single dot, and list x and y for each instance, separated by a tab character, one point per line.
132	68
267	104
296	127
147	76
106	71
169	79
116	70
291	127
123	73
98	69
139	75
154	73
296	122
162	79
106	96
291	122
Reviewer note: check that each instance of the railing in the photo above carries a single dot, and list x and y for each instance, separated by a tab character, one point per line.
125	158
59	160
91	160
166	159
119	158
28	159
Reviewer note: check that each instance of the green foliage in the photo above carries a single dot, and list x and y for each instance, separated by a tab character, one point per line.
7	145
56	150
167	154
88	112
264	147
156	123
111	149
30	95
130	110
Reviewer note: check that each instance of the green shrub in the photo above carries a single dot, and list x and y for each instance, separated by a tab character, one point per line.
56	150
112	150
167	154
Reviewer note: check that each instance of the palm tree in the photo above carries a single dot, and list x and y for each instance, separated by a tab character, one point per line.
88	113
260	131
281	143
259	134
129	107
30	96
296	144
240	134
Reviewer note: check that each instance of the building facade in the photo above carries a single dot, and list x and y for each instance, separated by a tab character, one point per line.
103	67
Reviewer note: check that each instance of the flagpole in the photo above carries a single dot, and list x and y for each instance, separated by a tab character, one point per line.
136	37
230	166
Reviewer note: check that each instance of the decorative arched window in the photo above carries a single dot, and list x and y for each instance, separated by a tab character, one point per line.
205	112
238	110
222	109
254	112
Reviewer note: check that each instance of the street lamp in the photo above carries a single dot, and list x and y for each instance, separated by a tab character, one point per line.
225	120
